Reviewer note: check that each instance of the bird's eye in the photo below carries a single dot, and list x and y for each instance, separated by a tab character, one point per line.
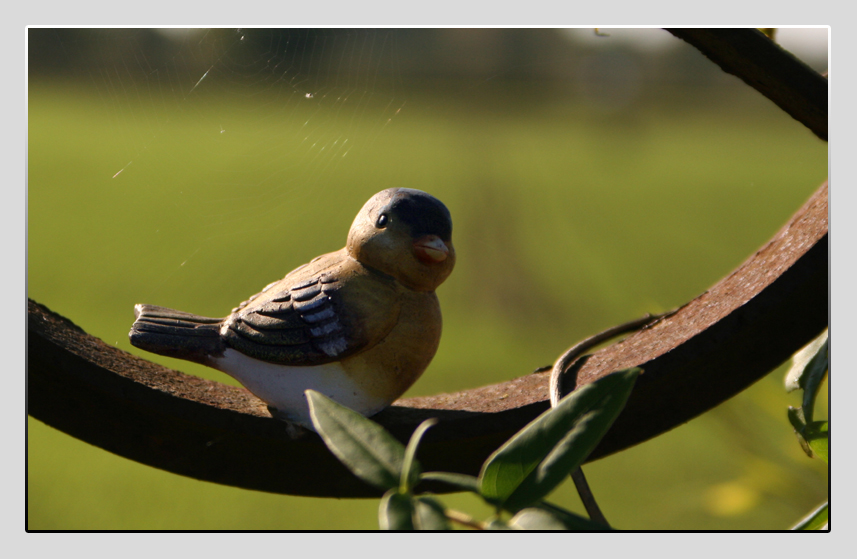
382	221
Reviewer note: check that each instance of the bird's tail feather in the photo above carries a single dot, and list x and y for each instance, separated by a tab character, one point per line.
176	334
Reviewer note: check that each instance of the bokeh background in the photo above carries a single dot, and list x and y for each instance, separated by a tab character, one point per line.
592	177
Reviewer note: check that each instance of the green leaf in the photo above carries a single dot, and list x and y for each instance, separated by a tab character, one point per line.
396	511
365	447
430	514
818	438
536	518
461	482
800	361
798	423
497	524
816	520
812	378
796	419
569	519
537	458
401	511
814	438
410	467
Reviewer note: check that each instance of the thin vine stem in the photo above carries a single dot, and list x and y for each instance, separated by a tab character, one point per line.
558	372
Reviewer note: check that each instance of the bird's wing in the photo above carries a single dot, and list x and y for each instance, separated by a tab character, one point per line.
311	321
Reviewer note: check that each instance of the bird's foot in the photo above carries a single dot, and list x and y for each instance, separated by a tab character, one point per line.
295	431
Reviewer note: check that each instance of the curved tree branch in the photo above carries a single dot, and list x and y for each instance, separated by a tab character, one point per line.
768	68
705	353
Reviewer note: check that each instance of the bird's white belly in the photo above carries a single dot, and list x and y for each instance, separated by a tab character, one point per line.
283	387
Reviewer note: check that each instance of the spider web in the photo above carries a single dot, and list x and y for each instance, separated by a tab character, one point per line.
225	135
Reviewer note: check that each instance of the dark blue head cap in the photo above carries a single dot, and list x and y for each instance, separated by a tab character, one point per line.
388	236
422	213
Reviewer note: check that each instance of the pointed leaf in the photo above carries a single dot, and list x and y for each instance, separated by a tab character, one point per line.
801	360
396	511
540	518
535	519
812	378
411	469
430	514
571	520
498	525
816	520
796	419
365	447
537	458
818	438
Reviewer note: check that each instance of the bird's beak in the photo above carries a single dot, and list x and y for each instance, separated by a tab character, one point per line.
430	249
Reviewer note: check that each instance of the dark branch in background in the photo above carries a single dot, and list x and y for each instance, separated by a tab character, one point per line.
705	353
769	69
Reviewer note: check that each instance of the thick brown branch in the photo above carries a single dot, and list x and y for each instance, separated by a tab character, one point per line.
765	66
711	349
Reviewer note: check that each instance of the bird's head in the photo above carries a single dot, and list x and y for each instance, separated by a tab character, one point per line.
406	234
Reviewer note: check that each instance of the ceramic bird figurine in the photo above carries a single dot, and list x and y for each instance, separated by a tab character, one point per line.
359	325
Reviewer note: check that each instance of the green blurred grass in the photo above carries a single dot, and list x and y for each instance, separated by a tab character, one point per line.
567	220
